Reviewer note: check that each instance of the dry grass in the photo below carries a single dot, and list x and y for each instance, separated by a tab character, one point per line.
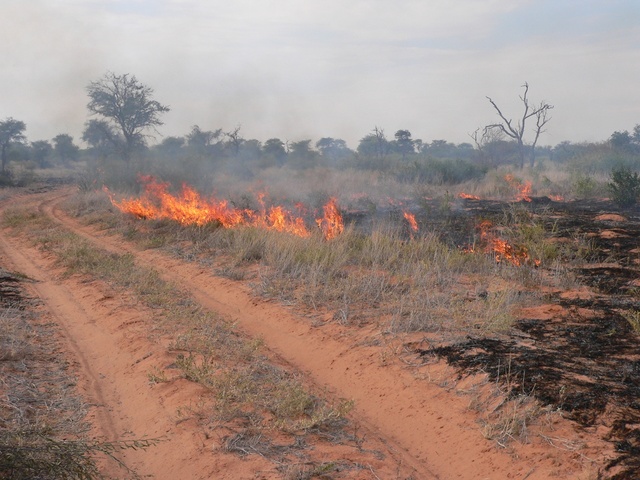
403	284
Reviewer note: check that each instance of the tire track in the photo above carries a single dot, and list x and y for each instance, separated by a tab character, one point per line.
111	368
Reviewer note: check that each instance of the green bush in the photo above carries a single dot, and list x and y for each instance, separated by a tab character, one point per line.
624	186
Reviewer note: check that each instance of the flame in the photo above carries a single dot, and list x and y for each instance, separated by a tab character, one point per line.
557	198
411	218
501	249
189	208
331	224
468	196
523	189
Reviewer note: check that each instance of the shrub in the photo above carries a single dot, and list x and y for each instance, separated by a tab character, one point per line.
624	186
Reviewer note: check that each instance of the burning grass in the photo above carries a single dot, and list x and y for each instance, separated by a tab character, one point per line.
189	208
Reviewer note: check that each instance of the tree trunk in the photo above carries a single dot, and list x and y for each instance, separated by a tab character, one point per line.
521	154
532	156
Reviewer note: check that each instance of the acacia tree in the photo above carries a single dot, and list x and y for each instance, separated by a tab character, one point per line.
11	131
404	143
102	138
128	105
40	152
64	148
202	141
333	149
274	149
538	113
374	144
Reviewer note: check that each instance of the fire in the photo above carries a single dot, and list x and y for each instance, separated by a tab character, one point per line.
523	189
501	249
277	218
190	208
331	224
411	218
557	198
187	208
468	196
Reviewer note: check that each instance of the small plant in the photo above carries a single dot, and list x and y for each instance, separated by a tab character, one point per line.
624	186
584	186
157	376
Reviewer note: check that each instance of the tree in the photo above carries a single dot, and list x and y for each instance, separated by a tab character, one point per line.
235	140
301	154
404	143
201	141
128	105
624	186
102	138
11	131
333	149
171	146
64	148
274	150
517	132
374	144
250	150
621	141
40	152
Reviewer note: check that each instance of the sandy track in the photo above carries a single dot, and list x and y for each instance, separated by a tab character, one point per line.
425	427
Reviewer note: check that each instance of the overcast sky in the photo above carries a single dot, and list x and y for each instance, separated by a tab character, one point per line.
306	69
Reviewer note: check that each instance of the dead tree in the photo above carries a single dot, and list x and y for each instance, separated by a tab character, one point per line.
517	132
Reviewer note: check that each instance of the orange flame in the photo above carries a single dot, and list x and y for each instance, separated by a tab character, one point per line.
411	218
331	224
501	249
523	189
468	196
189	208
557	198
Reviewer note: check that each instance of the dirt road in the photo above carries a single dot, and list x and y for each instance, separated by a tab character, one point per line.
429	431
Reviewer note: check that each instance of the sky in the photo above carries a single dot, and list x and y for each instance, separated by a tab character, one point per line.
307	69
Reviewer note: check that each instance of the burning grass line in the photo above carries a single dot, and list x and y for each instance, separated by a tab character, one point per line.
356	274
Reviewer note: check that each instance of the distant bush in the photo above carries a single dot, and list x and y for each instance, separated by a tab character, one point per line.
584	186
624	186
436	171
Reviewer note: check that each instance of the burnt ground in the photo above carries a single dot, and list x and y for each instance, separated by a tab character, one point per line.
585	361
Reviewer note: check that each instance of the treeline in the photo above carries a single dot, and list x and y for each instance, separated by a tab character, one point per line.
438	161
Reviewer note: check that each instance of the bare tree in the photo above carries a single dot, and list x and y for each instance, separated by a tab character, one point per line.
517	132
235	140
